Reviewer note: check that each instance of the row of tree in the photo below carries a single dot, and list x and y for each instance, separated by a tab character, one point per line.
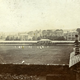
40	34
12	38
35	38
49	37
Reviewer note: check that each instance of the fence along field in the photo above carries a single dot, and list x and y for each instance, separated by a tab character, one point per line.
32	42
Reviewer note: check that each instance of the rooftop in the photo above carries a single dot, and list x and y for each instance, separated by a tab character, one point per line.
45	40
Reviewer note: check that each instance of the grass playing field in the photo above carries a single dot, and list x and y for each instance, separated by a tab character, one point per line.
35	54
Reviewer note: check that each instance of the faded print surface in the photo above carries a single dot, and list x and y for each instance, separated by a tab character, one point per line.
37	37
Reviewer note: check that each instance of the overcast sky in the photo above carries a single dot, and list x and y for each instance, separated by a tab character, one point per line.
26	15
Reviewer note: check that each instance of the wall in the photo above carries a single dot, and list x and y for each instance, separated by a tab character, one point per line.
39	70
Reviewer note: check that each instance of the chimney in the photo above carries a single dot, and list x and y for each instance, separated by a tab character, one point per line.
76	45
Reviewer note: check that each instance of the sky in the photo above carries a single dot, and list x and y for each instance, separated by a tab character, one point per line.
27	15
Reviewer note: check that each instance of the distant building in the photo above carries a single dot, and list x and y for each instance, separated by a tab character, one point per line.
59	33
71	35
38	33
23	36
31	33
29	37
65	36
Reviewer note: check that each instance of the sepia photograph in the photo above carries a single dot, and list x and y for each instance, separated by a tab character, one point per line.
39	39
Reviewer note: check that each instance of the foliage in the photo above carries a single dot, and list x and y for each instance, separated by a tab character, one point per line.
44	34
